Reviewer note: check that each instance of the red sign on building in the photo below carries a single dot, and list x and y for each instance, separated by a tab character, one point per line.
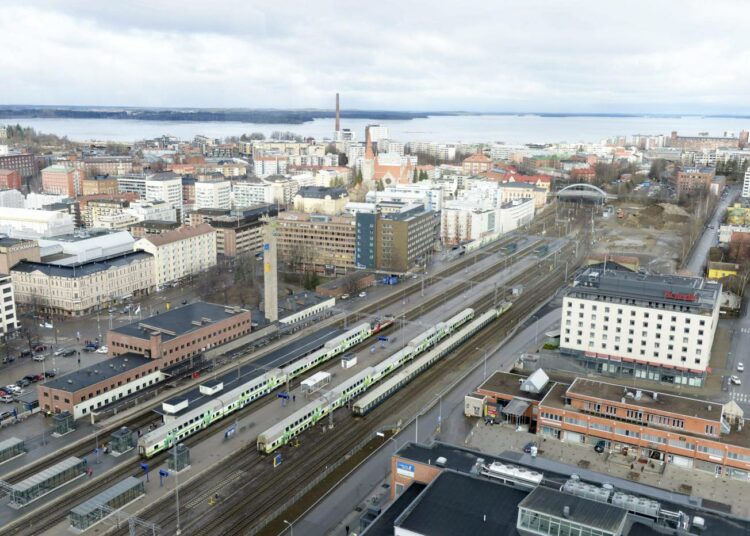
679	296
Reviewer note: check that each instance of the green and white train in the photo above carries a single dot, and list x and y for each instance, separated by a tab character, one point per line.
282	432
178	428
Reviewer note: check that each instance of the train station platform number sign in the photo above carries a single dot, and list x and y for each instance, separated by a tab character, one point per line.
277	460
405	469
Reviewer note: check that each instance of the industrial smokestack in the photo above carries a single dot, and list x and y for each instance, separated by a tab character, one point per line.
369	153
338	114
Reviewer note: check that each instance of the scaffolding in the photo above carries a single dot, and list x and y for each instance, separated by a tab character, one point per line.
95	509
40	484
10	448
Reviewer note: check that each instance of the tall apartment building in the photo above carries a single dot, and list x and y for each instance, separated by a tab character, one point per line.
213	194
659	327
265	166
81	288
251	192
132	184
59	179
22	162
10	178
746	184
8	317
180	253
239	231
316	242
165	187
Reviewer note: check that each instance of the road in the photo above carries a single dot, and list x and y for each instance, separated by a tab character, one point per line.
700	252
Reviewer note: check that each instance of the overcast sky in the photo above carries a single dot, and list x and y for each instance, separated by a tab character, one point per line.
527	55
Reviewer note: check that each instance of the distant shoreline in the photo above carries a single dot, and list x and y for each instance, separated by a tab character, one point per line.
280	117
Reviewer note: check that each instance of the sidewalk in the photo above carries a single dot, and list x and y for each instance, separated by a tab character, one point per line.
498	438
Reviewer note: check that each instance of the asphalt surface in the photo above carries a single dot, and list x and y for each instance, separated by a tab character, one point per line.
709	237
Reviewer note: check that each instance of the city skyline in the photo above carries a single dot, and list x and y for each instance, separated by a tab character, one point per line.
580	58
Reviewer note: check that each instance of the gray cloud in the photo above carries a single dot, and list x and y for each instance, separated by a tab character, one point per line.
533	55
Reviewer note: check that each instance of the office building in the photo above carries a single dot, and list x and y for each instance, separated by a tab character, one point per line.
100	184
21	162
181	253
321	200
165	187
251	192
659	327
132	183
10	179
82	288
213	194
63	180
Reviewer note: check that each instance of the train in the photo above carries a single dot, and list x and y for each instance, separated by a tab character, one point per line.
183	426
282	432
380	393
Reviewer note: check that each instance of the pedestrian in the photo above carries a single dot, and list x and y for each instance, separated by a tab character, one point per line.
294	398
347	530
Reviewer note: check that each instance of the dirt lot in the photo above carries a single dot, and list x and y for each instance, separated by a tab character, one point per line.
651	233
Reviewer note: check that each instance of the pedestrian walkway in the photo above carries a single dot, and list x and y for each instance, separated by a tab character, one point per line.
495	439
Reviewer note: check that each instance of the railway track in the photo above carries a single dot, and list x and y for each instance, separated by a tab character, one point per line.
246	500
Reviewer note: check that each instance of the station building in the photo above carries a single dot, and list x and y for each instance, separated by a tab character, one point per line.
175	335
658	327
656	426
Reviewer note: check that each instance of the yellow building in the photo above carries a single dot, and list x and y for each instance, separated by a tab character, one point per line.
738	215
720	270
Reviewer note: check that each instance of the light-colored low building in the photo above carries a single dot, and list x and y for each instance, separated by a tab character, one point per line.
180	253
10	198
81	288
321	200
27	223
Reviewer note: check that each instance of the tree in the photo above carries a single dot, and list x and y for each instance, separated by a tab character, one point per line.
311	280
415	176
358	177
658	167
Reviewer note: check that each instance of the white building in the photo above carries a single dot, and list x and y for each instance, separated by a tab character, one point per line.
213	194
265	166
86	245
8	318
38	201
165	187
251	192
132	184
151	210
354	153
180	253
27	223
426	193
481	214
11	198
746	184
660	327
379	132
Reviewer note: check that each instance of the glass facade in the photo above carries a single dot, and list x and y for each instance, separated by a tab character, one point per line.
543	524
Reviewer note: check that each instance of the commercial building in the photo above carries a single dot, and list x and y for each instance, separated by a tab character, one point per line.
251	192
28	223
466	219
15	250
63	180
100	184
152	211
10	178
213	194
8	317
512	191
82	288
108	165
40	201
659	327
316	242
148	227
428	194
21	162
180	253
321	200
10	198
84	391
475	164
166	187
238	231
697	143
132	183
720	270
694	180
180	333
95	207
85	245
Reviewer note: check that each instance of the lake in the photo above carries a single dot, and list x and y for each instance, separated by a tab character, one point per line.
446	129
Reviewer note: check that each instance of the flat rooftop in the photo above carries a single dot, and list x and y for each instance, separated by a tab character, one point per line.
689	294
383	524
456	503
87	376
81	269
510	384
690	407
586	512
295	303
180	320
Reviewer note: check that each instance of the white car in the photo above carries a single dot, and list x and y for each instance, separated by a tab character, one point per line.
740	367
39	357
735	380
12	388
102	350
363	294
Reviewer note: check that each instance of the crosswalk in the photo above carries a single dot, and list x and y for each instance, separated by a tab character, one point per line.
737	396
745	330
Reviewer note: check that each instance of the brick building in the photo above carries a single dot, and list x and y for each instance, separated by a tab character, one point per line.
694	180
175	335
22	162
59	179
476	164
10	179
100	184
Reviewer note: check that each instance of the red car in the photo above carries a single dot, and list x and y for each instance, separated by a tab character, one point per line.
40	348
40	377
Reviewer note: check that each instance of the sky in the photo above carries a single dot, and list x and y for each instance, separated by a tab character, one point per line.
655	56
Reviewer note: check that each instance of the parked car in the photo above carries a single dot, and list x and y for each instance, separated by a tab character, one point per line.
68	352
61	351
30	377
344	296
363	294
735	380
40	347
6	399
39	377
600	446
39	357
102	350
740	367
528	447
12	388
25	353
5	415
89	348
51	373
23	382
8	359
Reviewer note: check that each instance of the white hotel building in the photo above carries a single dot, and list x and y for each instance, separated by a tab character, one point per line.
658	327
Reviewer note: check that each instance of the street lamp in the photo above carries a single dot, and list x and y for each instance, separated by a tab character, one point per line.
291	528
